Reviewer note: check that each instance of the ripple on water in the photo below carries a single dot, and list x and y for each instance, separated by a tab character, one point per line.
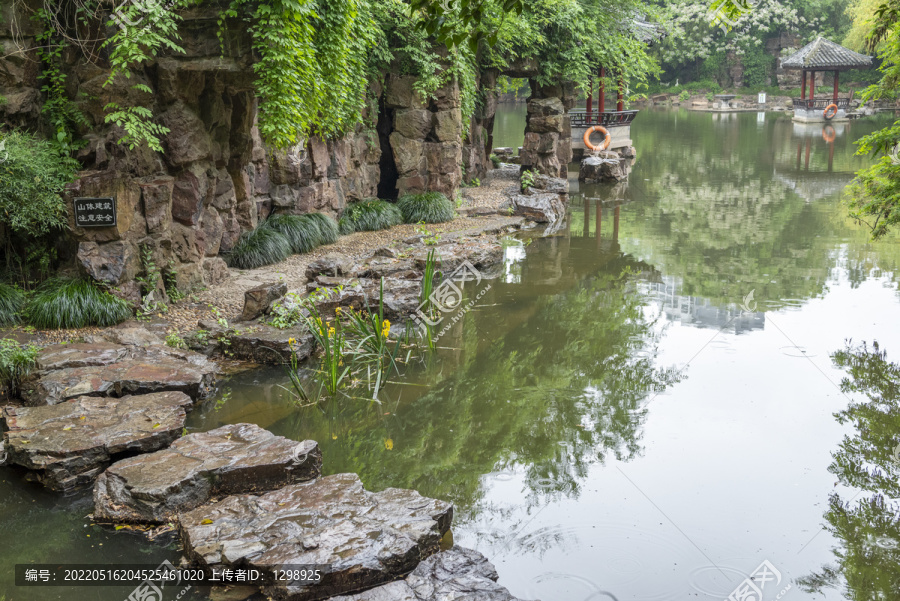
716	581
570	586
796	351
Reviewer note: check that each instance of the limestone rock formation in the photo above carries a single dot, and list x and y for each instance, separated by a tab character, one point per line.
237	458
360	539
69	444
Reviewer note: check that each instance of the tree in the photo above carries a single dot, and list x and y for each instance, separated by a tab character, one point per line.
874	195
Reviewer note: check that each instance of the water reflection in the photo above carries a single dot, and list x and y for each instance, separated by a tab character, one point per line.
866	524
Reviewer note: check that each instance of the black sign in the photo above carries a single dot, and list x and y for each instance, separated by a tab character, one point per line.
95	212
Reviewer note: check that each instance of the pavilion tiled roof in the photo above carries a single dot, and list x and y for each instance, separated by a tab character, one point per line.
825	55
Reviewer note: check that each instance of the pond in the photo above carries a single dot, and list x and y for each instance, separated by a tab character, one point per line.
640	407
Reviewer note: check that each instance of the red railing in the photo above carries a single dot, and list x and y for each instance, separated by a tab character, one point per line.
608	119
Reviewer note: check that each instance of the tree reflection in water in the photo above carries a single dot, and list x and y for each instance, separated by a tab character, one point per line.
868	459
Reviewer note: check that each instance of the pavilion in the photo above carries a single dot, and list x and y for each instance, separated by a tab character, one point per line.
822	55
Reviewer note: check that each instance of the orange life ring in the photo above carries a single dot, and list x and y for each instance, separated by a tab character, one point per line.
602	130
828	136
828	108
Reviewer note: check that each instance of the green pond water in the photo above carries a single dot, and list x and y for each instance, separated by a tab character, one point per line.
640	407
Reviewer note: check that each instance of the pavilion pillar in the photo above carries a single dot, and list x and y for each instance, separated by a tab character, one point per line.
835	86
620	100
812	85
601	93
803	86
616	224
590	100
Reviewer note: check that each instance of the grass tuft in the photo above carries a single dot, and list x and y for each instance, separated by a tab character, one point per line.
327	226
11	301
428	207
74	303
302	233
262	246
371	215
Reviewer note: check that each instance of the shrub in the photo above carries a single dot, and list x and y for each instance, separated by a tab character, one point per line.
684	95
428	207
74	303
302	233
16	364
32	176
262	246
371	215
495	160
327	226
11	301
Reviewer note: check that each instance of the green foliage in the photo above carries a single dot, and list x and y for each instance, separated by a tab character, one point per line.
17	361
74	303
328	227
302	232
64	117
427	207
33	174
874	195
11	302
262	246
312	68
759	67
175	341
287	313
371	215
527	179
684	95
495	160
31	180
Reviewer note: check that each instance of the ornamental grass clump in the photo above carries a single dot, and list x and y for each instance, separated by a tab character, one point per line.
302	233
262	246
11	302
328	227
74	303
17	361
371	215
428	207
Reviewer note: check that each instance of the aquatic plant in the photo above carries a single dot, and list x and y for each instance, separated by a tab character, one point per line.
371	215
17	361
371	332
11	301
302	233
74	303
328	227
262	246
428	207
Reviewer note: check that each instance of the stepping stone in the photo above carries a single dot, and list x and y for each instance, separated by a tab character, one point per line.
237	458
137	371
267	344
459	573
62	356
357	538
69	444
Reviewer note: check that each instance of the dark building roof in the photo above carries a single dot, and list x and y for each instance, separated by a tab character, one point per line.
825	55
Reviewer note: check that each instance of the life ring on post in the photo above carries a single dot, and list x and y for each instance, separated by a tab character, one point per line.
829	109
828	133
602	130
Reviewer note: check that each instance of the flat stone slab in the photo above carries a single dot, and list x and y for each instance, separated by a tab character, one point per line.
458	573
137	371
267	344
358	539
62	356
237	458
69	444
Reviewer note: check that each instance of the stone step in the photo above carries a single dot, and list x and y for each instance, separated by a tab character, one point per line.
105	369
458	573
237	458
67	445
359	539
